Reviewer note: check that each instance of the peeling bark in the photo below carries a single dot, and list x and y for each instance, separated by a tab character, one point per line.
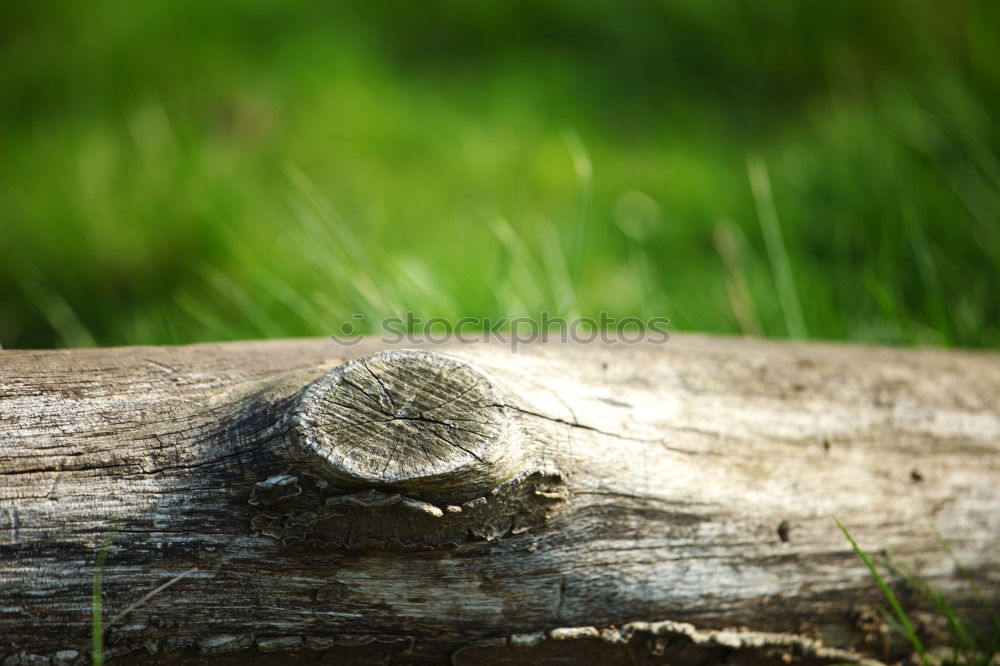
300	500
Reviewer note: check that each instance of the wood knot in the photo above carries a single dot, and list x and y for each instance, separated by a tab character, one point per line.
413	421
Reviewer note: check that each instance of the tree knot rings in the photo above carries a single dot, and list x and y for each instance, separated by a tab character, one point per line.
412	421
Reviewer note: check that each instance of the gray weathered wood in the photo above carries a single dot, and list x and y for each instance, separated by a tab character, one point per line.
265	502
412	421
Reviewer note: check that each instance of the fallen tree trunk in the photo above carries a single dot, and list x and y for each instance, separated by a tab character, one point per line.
271	501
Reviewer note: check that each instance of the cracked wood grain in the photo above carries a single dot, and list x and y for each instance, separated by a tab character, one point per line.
413	421
556	504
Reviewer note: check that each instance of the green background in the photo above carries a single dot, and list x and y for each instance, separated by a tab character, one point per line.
184	171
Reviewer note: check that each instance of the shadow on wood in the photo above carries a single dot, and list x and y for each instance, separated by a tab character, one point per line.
620	503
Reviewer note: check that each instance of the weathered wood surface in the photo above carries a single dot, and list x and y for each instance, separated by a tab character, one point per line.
487	507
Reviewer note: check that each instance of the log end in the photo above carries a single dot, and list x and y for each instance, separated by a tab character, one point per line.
412	421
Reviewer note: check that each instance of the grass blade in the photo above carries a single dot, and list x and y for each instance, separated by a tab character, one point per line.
781	267
910	633
967	575
97	610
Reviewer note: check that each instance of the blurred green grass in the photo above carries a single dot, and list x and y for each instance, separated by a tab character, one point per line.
181	171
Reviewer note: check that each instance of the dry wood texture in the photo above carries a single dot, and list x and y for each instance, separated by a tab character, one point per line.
303	501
